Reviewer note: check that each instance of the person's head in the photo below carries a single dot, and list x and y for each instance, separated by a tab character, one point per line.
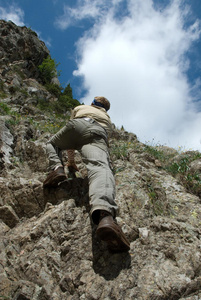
101	102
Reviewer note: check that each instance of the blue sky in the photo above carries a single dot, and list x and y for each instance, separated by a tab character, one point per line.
144	56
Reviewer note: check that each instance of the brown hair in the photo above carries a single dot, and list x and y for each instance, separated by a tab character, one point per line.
103	101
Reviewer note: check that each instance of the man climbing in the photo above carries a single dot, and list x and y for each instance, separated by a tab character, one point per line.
87	131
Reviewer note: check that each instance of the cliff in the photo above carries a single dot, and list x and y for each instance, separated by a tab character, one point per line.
48	246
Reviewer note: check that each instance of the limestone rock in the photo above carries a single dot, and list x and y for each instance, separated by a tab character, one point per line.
8	216
6	142
48	245
21	43
195	166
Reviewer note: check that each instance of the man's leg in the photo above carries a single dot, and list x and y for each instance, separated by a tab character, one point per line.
54	156
101	181
102	195
62	140
56	169
72	136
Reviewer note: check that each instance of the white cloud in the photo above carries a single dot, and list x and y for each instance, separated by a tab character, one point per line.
84	9
138	61
48	41
12	13
16	15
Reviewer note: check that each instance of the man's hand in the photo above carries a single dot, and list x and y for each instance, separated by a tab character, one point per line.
71	163
72	167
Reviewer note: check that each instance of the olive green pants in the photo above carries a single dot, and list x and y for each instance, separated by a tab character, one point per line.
89	138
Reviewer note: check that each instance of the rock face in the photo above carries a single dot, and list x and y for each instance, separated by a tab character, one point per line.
21	44
48	245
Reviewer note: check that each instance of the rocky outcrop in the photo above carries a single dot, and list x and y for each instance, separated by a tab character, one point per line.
48	245
20	46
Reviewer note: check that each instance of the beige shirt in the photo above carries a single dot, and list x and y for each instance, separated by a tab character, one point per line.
97	113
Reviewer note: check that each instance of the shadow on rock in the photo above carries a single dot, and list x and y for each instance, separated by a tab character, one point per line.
105	263
76	188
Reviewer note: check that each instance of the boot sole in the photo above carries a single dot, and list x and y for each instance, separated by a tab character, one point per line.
55	182
115	241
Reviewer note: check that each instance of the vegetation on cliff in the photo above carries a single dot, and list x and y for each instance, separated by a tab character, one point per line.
48	246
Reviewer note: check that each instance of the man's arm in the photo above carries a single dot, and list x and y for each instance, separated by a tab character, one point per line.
71	159
71	152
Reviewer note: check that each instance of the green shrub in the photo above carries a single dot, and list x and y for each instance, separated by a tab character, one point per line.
68	91
54	89
4	109
58	107
48	69
155	200
43	104
181	170
156	153
64	101
64	104
68	102
119	151
179	167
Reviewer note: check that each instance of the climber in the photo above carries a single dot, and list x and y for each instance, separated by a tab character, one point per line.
87	131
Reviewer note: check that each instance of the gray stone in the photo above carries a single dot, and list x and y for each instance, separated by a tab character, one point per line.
8	216
48	244
6	142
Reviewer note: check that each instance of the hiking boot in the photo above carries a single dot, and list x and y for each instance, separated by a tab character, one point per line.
110	232
54	177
